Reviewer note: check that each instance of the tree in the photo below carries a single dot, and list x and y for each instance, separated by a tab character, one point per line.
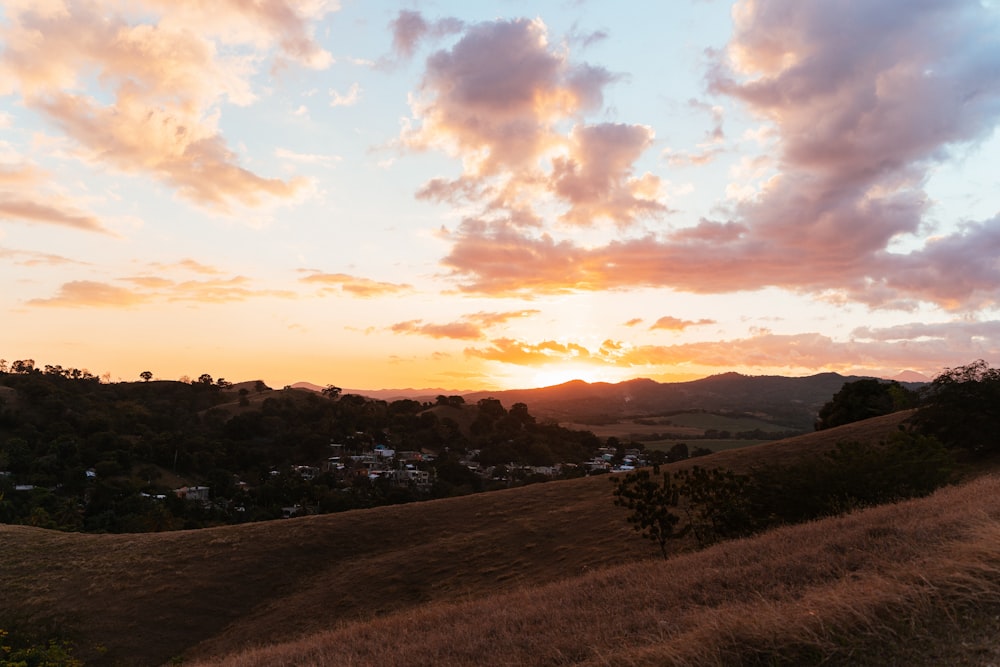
962	408
678	452
652	503
864	399
204	379
331	392
23	366
146	376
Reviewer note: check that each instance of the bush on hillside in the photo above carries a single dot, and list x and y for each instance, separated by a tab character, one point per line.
962	408
864	399
720	504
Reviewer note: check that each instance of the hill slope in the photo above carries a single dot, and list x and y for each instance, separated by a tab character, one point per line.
916	583
791	401
150	597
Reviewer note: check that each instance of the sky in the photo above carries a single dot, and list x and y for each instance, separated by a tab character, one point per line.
472	195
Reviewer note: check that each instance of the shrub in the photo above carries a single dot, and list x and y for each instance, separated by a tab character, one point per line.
962	408
720	504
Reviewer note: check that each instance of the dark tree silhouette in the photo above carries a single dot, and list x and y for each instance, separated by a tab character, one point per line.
864	399
962	408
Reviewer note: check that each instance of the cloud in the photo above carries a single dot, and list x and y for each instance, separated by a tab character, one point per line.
470	327
675	324
146	288
183	151
25	196
188	265
162	70
31	258
456	330
331	283
27	210
884	352
91	294
509	105
350	98
863	100
596	178
409	28
305	158
521	353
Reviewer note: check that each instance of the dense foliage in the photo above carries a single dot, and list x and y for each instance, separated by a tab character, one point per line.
864	399
962	408
716	504
77	453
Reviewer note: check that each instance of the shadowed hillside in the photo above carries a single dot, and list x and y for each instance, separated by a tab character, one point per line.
150	597
916	583
790	401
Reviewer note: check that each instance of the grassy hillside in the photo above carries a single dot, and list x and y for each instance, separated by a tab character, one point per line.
545	574
917	583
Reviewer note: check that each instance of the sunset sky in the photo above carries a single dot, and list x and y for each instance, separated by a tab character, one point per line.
470	195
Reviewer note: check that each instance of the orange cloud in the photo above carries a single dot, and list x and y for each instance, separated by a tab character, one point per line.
674	324
24	197
510	351
922	347
30	258
470	327
90	294
360	287
34	211
142	289
456	330
165	67
189	265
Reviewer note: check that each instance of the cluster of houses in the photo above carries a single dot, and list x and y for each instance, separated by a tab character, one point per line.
409	469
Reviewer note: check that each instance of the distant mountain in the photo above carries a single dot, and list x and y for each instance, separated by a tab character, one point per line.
789	401
307	385
911	376
388	394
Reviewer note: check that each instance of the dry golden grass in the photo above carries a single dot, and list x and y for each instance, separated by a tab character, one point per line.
550	574
838	591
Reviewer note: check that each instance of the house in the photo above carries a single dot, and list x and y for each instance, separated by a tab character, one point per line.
193	493
306	472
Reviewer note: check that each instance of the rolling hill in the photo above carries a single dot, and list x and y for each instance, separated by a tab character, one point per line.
544	574
790	401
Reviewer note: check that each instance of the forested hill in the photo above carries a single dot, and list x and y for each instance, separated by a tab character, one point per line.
80	454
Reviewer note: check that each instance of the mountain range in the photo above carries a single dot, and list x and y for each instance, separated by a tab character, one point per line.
789	401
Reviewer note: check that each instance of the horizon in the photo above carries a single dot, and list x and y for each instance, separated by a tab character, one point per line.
398	195
907	376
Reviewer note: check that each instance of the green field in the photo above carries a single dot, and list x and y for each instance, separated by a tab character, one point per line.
706	420
684	425
716	445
